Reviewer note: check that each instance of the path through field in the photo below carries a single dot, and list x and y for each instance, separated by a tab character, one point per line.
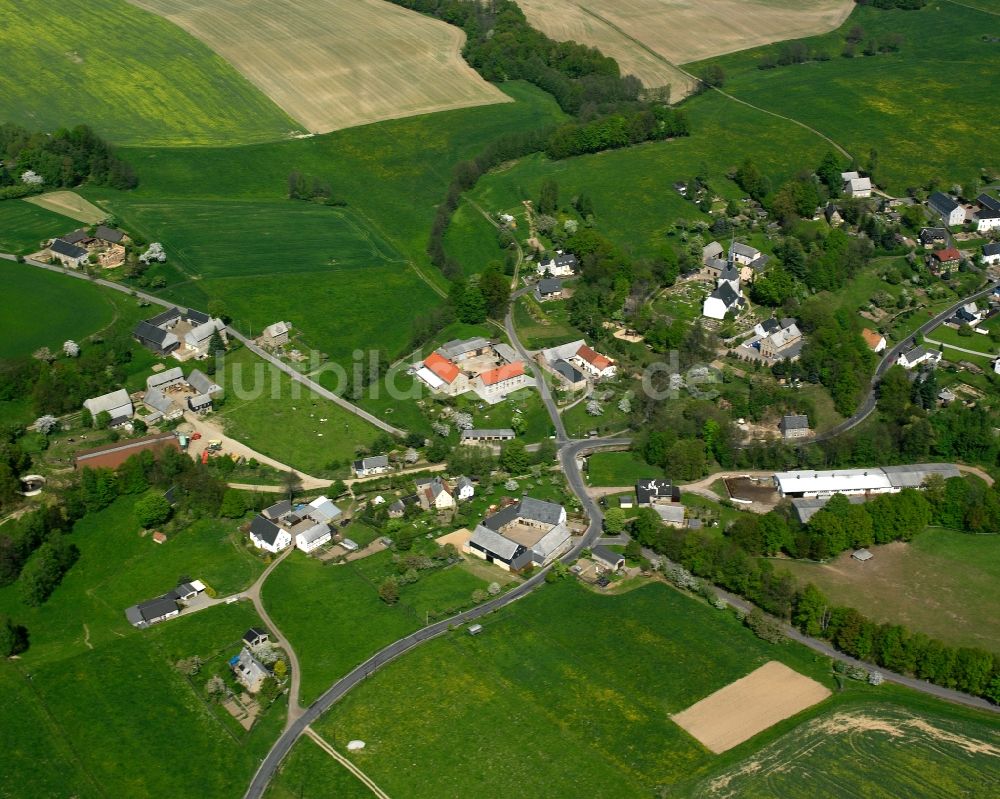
333	64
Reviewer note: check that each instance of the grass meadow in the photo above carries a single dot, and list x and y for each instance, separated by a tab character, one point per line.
310	773
130	75
617	468
38	317
942	583
920	108
24	226
88	670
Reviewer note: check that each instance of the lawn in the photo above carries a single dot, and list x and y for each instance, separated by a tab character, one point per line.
473	241
310	773
942	583
594	705
23	226
540	325
129	74
897	102
267	411
618	468
950	336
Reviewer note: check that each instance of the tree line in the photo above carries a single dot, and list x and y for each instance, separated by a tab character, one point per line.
64	158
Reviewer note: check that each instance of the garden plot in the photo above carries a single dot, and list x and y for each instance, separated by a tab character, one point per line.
750	705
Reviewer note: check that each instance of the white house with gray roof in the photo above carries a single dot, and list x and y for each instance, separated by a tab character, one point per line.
529	532
377	464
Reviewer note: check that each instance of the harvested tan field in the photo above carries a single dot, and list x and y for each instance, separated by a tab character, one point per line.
334	64
648	37
71	204
750	705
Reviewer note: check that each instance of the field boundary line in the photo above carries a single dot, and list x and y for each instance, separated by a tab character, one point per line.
697	80
364	778
973	8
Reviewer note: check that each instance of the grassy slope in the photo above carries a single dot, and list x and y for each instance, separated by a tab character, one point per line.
24	226
31	318
310	773
921	108
942	583
129	74
593	707
224	219
91	672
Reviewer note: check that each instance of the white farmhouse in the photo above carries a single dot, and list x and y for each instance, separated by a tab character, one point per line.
266	535
950	211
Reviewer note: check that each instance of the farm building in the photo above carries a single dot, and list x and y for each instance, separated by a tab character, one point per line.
574	379
323	510
376	464
197	339
561	265
109	234
862	555
116	404
492	370
577	354
807	507
495	384
163	607
161	405
255	636
858	187
864	482
794	426
163	333
607	558
67	254
711	252
313	537
671	514
159	340
201	383
651	491
200	403
742	254
947	208
114	455
168	378
528	532
486	435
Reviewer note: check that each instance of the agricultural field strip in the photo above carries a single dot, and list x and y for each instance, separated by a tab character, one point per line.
71	204
334	64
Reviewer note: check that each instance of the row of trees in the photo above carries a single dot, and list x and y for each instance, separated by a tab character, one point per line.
65	158
617	130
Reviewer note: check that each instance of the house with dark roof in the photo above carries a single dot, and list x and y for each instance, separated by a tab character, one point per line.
268	536
255	636
721	301
573	378
652	490
67	254
376	464
991	253
607	558
917	356
548	288
987	202
947	208
561	265
529	532
109	234
929	236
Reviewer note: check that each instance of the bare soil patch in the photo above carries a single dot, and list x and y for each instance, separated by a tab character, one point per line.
648	37
750	705
334	64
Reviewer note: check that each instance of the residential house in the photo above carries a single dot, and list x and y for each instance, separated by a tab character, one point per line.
117	404
917	356
561	265
947	208
153	611
434	494
987	221
969	314
528	532
162	406
486	435
945	259
794	426
785	343
67	254
275	335
573	378
875	340
929	236
592	362
465	489
991	254
607	558
501	381
249	671
376	464
996	366
313	537
397	509
858	186
651	491
722	301
268	536
548	288
254	637
742	254
833	215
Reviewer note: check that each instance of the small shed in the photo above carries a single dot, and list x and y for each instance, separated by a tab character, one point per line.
862	555
475	629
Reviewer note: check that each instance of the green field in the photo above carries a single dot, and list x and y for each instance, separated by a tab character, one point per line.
23	226
942	583
268	412
544	706
310	773
88	670
617	468
977	342
897	103
543	324
32	297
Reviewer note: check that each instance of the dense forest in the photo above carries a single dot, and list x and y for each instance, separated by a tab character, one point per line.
61	159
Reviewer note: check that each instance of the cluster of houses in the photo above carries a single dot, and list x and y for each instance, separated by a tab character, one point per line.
153	611
168	394
275	528
985	211
856	186
74	249
528	532
774	340
435	493
576	364
184	334
491	370
741	264
661	496
809	491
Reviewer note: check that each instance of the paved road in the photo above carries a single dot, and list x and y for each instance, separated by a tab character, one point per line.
868	405
284	367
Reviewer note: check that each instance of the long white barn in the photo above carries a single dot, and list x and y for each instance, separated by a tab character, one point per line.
850	482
